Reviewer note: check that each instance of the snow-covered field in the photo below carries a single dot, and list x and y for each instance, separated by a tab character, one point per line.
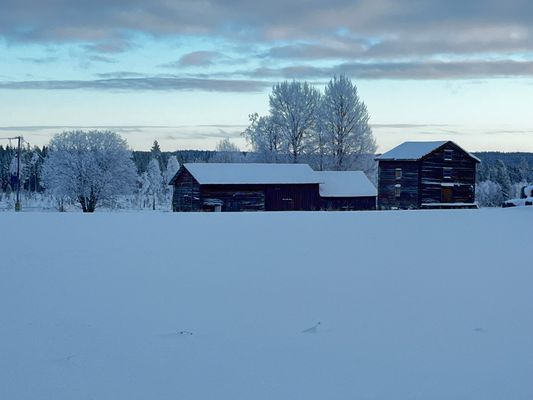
412	305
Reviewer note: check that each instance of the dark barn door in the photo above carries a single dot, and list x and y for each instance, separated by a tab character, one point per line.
291	197
447	195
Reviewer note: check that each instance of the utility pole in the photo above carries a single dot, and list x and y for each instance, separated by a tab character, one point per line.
18	206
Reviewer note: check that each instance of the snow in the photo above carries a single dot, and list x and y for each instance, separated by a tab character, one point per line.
520	202
415	150
456	204
249	174
214	306
345	184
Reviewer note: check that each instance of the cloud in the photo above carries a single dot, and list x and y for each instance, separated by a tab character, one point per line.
402	39
38	60
416	70
120	75
99	21
198	59
148	83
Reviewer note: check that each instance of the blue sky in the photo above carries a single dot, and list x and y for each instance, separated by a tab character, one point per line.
188	73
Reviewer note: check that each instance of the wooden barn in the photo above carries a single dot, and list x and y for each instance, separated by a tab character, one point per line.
268	187
427	175
346	191
245	187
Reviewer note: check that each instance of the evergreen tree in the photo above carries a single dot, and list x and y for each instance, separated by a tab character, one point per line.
156	153
500	175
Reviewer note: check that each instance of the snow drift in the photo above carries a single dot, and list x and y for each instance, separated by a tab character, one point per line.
375	305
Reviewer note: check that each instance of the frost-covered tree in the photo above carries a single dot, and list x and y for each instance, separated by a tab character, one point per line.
227	152
489	194
525	171
343	121
500	175
172	168
88	167
293	108
265	138
155	181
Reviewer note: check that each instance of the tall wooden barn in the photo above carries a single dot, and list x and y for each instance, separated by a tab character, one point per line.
436	174
267	187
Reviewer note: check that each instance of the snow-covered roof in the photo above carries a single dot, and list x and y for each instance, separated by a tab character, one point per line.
345	184
250	174
412	151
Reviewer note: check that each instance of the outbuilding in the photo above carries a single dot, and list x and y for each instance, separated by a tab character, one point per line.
346	191
437	174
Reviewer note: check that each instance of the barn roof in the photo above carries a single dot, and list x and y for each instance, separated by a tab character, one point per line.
250	174
345	184
413	151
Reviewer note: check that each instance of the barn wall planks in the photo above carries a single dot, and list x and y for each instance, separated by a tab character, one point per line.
186	196
348	203
292	197
462	176
409	185
233	197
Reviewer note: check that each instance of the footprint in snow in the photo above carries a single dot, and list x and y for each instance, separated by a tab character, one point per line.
176	333
313	329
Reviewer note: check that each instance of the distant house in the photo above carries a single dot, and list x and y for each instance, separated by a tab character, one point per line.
265	187
346	190
426	175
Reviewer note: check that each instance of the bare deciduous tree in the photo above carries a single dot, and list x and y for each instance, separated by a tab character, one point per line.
343	119
293	108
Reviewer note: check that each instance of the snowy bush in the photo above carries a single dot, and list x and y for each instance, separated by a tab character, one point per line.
489	194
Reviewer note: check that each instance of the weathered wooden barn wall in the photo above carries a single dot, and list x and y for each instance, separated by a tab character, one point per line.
190	196
348	203
186	196
409	185
303	197
233	197
463	176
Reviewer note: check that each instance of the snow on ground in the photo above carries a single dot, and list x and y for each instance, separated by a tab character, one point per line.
411	305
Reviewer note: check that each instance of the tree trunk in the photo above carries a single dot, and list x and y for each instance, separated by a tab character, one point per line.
83	204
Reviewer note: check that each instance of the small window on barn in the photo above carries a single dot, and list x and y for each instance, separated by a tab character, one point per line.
448	155
447	173
398	173
397	190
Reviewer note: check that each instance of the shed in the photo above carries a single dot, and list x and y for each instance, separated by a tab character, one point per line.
346	190
436	174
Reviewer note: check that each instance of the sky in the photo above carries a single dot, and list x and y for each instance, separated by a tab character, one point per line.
189	72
